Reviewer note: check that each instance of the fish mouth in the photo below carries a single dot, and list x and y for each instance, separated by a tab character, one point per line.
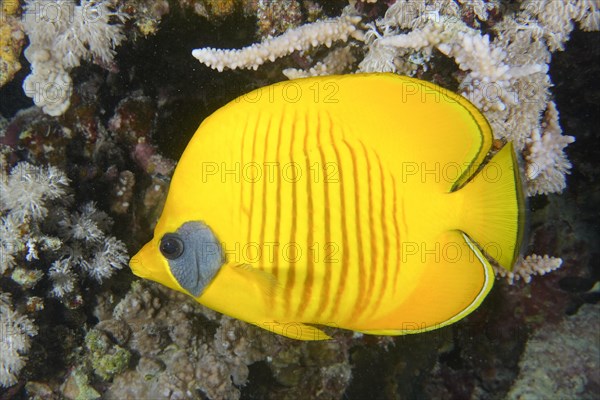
135	264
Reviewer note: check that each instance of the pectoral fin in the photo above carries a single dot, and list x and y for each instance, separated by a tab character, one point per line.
265	281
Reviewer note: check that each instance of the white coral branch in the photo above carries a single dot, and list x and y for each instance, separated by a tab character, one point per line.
487	70
529	266
430	35
547	163
557	18
484	61
302	38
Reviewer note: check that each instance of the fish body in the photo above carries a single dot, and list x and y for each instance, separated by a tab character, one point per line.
362	202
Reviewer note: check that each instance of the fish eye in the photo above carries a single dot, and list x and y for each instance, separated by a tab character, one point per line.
171	246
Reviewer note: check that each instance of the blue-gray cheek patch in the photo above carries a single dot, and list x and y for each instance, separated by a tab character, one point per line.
201	258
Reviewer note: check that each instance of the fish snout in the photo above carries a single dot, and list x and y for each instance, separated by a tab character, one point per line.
150	264
143	263
135	264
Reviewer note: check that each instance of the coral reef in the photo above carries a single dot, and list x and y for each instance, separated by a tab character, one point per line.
183	350
544	373
61	34
133	124
12	39
15	331
146	14
53	249
112	147
107	358
76	387
276	17
70	240
210	9
547	163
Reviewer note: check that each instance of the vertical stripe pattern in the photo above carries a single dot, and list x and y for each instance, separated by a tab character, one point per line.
324	218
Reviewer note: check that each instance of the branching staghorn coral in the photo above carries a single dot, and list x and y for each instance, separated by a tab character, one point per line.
529	266
555	19
547	163
506	77
301	38
61	34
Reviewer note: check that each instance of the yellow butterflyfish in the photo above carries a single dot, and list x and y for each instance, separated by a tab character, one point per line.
366	202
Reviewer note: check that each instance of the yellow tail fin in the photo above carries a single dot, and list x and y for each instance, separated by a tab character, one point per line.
494	211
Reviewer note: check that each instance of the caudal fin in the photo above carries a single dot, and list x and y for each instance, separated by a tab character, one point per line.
494	212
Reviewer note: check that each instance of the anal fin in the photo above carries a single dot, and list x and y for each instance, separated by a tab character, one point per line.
295	330
453	283
268	285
